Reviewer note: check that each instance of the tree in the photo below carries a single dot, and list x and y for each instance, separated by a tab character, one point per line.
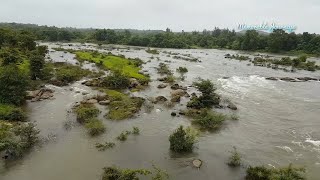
37	63
13	83
10	56
182	140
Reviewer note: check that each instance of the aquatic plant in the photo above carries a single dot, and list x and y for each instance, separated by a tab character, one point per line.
136	131
95	127
235	158
164	69
123	136
208	96
152	51
182	140
208	120
105	146
86	112
284	173
182	70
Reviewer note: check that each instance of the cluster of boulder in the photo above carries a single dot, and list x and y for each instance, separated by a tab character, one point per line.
39	95
291	79
100	99
176	94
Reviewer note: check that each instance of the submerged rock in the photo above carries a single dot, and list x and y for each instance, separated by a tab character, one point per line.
197	163
272	78
232	106
173	114
161	86
178	92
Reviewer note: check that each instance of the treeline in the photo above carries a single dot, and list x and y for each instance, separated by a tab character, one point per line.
277	41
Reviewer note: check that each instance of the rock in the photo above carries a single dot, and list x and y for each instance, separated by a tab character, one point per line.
272	78
32	94
91	101
161	86
232	106
175	87
85	93
161	99
134	83
71	89
193	95
187	95
307	79
182	112
197	163
175	99
173	114
106	102
162	79
77	91
38	95
178	92
287	79
46	95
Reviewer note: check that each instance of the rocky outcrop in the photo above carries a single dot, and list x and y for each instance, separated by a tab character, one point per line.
292	79
41	94
160	99
177	86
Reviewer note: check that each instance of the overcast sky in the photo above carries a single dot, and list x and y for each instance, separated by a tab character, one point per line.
158	14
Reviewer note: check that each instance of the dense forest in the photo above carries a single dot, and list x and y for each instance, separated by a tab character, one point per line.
276	42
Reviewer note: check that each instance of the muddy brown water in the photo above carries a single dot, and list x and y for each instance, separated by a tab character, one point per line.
278	124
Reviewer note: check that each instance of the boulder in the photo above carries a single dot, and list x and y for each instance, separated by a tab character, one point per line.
178	92
232	106
134	83
85	93
173	114
287	79
162	79
272	78
307	79
90	101
197	163
175	99
161	99
38	95
175	87
161	86
106	102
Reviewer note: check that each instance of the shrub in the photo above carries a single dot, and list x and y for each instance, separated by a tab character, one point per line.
152	51
263	173
105	146
182	140
28	135
208	120
235	158
114	173
11	113
136	131
208	97
95	127
13	83
164	69
85	112
170	79
124	136
182	70
69	73
116	80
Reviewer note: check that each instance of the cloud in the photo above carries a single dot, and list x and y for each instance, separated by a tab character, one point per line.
158	14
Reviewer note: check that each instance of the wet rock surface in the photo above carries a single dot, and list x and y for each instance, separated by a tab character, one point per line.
41	94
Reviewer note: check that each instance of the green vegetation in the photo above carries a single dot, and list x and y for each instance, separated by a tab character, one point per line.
115	173
208	97
17	139
182	140
11	113
237	57
122	106
208	120
235	158
127	67
164	69
85	112
136	131
295	63
13	83
182	70
68	73
116	80
105	146
152	51
124	136
286	173
95	127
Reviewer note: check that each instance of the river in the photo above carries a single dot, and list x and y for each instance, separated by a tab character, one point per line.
278	124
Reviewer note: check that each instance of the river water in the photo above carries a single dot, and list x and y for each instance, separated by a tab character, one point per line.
278	124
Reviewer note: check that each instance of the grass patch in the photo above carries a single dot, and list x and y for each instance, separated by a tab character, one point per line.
182	70
11	113
235	158
95	127
69	73
122	106
85	112
128	67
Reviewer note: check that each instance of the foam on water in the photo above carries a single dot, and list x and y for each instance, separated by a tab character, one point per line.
313	142
286	148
